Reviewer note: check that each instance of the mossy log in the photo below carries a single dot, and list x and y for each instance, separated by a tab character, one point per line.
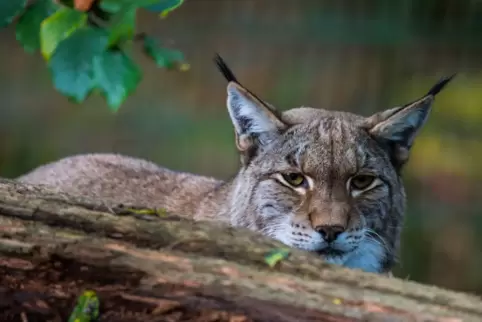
168	268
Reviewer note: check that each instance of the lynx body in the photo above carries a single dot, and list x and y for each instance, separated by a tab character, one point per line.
324	181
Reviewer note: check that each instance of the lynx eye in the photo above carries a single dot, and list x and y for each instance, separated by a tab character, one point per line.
362	182
294	179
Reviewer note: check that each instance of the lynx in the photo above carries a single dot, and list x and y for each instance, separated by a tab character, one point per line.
324	181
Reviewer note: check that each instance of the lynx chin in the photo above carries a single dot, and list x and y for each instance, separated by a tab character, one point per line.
324	181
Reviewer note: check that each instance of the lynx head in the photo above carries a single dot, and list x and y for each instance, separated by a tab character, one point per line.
324	181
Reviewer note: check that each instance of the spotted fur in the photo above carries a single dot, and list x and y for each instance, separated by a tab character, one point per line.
328	148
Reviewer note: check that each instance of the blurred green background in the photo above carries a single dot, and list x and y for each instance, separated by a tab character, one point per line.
360	56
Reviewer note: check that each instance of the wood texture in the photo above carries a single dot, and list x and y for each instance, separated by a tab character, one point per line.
167	268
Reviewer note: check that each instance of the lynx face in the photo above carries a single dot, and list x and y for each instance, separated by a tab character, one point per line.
324	181
325	186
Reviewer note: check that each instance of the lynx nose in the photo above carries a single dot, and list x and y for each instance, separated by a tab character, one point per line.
330	232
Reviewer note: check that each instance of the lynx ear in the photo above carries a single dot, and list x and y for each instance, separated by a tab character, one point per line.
255	122
399	126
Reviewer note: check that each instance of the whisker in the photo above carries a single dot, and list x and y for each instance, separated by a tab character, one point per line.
273	227
370	233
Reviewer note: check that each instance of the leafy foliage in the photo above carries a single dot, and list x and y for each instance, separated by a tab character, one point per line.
28	26
276	256
10	9
165	6
72	64
58	27
85	43
112	68
163	57
87	308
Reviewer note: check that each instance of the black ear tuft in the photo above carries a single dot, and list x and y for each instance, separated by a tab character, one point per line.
224	69
229	75
440	85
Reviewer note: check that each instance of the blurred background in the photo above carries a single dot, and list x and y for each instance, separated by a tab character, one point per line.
359	56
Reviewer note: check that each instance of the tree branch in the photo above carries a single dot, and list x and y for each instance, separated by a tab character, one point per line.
167	268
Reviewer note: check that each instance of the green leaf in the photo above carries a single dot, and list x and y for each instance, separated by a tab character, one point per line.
275	256
164	57
113	6
123	25
117	76
58	27
68	3
164	7
9	9
86	309
71	64
28	26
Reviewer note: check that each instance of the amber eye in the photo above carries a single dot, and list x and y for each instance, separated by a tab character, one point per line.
294	179
362	182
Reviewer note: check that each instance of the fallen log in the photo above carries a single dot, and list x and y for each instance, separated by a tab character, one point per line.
163	267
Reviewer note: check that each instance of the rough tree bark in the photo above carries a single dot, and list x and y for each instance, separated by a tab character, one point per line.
166	268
